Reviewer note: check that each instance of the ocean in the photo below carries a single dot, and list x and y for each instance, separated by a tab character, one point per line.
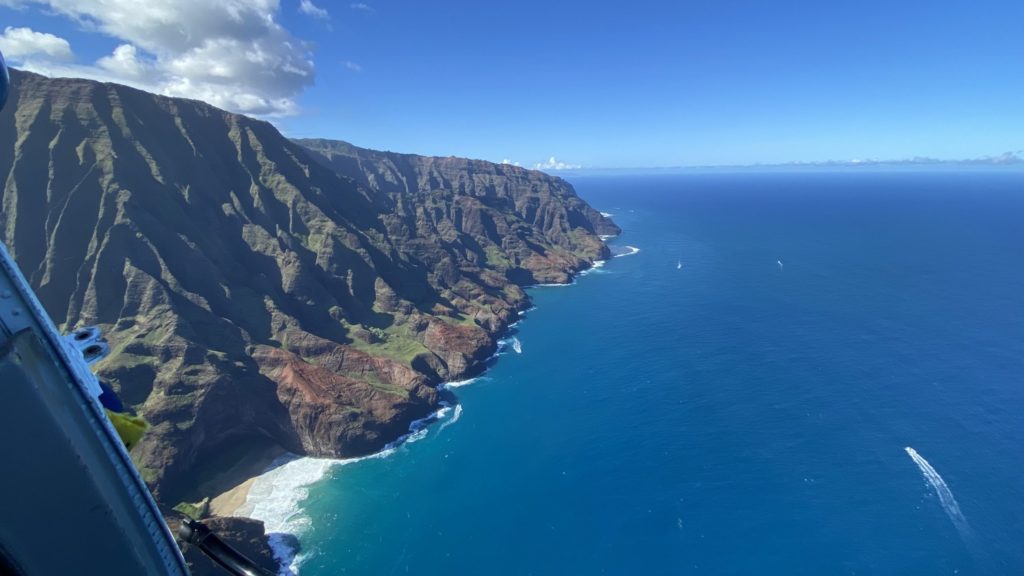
796	373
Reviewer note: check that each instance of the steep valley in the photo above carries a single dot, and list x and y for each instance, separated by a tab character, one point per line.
257	291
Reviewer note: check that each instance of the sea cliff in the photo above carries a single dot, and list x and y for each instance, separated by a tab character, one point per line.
267	294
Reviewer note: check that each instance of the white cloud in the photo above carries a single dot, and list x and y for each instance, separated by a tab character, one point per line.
126	63
553	164
230	53
352	66
362	7
509	162
20	43
307	7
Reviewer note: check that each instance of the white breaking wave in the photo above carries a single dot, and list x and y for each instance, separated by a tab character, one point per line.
274	498
417	430
607	214
604	237
510	342
275	495
459	383
455	418
632	250
942	490
596	266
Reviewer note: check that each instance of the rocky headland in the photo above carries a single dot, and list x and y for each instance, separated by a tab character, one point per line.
265	294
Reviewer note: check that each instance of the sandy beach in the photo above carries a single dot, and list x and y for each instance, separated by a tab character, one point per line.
230	488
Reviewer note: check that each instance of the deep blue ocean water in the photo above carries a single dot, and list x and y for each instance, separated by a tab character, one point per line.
733	416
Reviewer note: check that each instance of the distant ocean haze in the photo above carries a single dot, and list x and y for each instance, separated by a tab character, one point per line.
697	408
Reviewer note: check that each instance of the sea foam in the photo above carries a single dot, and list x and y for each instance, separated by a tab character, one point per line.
455	418
510	342
630	250
275	495
595	267
274	499
460	383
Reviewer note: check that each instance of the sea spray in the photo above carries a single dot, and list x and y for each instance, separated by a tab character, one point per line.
945	495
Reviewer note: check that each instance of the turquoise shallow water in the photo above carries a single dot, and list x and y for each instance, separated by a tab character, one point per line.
734	416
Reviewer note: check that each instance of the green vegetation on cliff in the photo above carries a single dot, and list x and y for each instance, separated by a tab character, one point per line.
308	295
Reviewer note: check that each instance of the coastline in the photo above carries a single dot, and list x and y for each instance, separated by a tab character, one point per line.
275	482
232	497
229	490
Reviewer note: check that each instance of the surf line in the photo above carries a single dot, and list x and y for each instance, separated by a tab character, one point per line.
945	495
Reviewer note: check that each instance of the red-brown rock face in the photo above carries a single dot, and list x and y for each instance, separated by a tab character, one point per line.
261	291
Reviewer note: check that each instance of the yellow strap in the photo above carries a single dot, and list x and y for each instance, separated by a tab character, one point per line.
129	428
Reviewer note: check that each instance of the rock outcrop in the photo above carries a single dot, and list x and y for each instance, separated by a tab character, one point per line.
260	291
243	534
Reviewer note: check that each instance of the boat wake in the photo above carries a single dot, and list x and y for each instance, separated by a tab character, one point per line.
945	495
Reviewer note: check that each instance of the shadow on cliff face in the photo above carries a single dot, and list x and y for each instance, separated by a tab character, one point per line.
238	275
521	276
237	423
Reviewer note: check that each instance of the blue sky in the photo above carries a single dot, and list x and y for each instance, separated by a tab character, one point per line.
596	84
